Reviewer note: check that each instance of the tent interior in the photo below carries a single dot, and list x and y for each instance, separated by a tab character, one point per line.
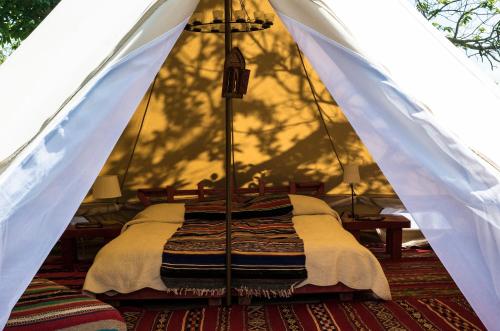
182	139
176	138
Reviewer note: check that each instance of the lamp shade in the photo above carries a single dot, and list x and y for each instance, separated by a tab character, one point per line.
106	187
351	173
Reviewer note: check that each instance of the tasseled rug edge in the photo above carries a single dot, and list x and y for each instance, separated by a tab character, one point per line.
242	291
199	292
265	293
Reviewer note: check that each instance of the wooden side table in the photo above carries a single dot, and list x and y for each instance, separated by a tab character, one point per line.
393	224
69	239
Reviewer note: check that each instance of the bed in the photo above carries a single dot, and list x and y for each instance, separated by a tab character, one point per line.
334	260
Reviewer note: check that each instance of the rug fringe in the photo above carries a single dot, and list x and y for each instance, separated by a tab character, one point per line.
242	291
197	291
266	293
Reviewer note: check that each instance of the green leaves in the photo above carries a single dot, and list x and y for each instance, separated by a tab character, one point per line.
466	18
448	29
422	7
488	4
473	25
19	18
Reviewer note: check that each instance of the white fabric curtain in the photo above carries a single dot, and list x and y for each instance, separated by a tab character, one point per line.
42	187
410	113
73	43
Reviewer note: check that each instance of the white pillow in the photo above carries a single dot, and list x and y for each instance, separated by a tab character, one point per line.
165	212
305	205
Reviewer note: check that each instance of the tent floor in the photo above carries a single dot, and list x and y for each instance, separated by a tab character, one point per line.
420	286
424	297
451	313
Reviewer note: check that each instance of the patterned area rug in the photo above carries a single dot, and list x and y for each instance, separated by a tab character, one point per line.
69	277
425	298
404	314
418	274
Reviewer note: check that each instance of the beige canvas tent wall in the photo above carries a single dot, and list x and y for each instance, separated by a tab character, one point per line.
182	140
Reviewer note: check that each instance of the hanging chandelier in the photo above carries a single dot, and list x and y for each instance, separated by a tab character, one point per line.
241	22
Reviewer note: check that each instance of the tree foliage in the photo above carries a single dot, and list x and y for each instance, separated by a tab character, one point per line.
18	18
473	25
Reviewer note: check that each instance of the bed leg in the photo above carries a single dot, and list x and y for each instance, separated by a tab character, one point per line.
347	296
244	301
214	302
114	303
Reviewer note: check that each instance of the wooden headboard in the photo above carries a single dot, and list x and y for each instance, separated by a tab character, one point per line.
170	193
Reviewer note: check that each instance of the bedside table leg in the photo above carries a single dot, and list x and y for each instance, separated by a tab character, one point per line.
355	233
69	252
393	243
388	241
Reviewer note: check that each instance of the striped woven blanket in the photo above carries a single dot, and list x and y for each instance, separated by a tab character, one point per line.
46	305
267	254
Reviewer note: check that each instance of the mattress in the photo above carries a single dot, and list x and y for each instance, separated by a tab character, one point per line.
132	261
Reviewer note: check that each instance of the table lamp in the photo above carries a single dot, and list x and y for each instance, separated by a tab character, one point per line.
106	187
351	177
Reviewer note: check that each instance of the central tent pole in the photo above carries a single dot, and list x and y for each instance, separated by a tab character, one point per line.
228	42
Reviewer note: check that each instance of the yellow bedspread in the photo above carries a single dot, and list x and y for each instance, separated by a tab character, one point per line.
333	255
131	261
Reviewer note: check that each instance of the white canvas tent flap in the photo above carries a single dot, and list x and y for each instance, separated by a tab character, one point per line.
65	49
75	111
427	116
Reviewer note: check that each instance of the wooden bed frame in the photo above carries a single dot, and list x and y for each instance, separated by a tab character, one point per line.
345	293
171	194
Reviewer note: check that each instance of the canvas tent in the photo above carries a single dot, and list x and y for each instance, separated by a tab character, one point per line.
408	93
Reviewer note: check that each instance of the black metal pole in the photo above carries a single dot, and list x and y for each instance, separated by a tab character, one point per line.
352	201
229	123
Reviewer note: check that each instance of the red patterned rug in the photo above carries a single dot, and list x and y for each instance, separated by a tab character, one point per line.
69	277
405	314
425	298
418	274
